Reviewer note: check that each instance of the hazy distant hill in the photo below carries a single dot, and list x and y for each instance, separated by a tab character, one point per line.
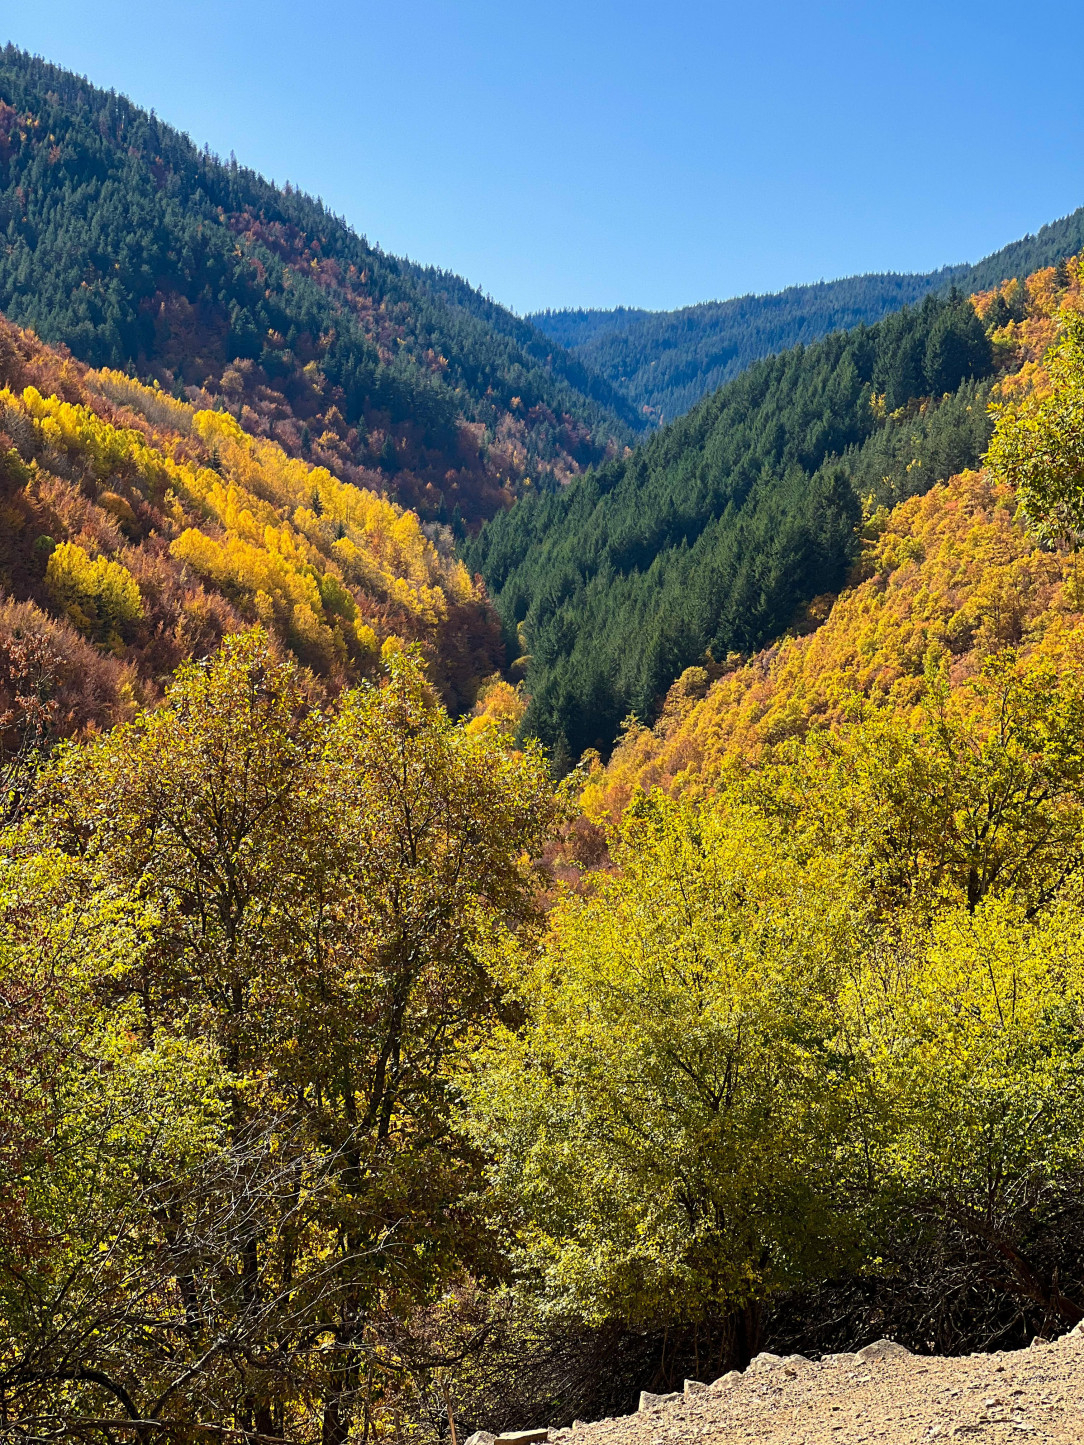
665	361
125	242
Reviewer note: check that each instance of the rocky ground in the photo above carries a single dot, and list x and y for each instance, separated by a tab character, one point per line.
881	1393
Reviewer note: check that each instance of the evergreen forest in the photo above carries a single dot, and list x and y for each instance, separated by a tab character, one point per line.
708	539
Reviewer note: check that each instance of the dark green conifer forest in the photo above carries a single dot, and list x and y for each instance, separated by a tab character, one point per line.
711	536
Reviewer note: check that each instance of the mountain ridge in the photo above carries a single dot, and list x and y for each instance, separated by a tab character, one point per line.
667	360
136	250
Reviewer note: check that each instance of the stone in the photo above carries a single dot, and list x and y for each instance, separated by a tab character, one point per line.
730	1378
522	1437
694	1387
648	1401
844	1359
793	1363
480	1437
765	1361
883	1350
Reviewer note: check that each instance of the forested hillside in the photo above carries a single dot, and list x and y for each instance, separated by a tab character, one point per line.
943	581
370	1074
136	250
708	540
138	531
327	1116
666	361
946	579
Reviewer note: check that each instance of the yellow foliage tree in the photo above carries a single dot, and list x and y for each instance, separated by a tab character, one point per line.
100	596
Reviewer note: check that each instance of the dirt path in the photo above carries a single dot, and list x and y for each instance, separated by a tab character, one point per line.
883	1393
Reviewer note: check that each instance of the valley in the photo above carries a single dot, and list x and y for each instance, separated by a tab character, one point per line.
541	859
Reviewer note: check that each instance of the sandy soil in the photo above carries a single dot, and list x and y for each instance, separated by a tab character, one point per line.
883	1393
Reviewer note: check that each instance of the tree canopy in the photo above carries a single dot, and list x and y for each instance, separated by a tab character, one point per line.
823	1021
250	935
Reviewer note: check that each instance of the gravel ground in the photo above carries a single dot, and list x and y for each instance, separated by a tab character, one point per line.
882	1393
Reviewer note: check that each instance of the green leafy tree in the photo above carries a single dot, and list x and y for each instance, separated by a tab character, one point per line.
670	1125
982	794
827	1022
1038	447
312	891
973	1089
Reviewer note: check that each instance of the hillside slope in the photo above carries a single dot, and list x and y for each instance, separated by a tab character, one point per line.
667	360
136	530
719	528
129	245
952	576
944	579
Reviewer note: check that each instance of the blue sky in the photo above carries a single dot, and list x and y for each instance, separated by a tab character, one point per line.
615	152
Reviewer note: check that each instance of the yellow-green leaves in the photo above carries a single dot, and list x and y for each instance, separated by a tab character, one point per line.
670	1120
98	595
1038	447
979	792
974	1042
836	1008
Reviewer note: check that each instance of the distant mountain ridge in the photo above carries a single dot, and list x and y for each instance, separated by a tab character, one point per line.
665	361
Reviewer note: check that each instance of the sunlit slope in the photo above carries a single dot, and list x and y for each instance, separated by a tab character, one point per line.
944	580
122	240
140	529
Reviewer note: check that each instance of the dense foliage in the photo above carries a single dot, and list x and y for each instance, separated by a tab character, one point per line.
1039	448
239	960
829	1021
667	360
256	958
136	250
137	531
712	535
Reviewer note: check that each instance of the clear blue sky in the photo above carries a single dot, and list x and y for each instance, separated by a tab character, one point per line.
609	152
